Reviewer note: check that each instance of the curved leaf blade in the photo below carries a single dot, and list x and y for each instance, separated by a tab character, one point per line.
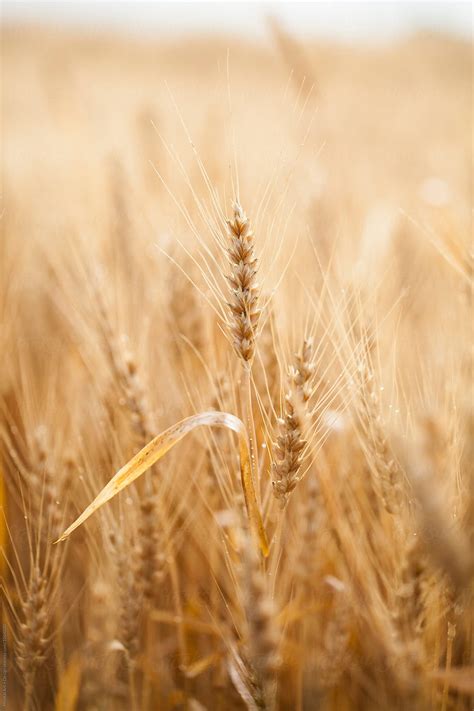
156	450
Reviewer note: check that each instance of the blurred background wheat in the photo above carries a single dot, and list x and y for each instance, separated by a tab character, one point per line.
331	314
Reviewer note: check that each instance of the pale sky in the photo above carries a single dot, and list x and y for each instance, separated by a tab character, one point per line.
353	21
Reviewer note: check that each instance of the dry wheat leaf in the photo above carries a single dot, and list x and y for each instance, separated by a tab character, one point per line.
160	445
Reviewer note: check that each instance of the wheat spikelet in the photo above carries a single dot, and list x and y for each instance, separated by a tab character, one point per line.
336	653
133	392
147	560
409	614
244	290
151	559
388	473
288	453
32	642
303	370
262	639
447	545
124	367
411	590
48	486
290	444
130	597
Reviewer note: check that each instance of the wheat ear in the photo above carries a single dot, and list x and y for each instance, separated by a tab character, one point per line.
244	290
290	444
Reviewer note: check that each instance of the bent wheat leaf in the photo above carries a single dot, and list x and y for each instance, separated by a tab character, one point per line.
160	445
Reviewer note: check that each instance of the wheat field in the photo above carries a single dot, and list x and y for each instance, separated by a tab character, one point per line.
263	251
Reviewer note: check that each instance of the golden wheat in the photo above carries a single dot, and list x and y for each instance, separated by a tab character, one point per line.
255	433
